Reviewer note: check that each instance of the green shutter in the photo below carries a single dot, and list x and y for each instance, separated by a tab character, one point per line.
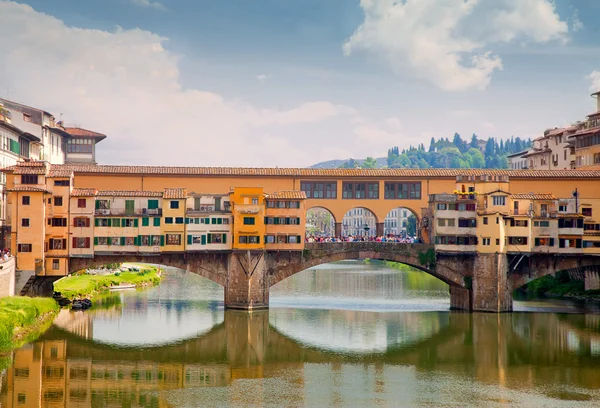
157	222
299	238
219	220
208	238
145	222
213	221
203	239
152	204
217	203
95	240
135	223
97	204
537	242
136	241
276	220
122	241
197	220
189	240
551	241
129	206
96	222
224	238
287	220
187	220
162	240
116	222
207	220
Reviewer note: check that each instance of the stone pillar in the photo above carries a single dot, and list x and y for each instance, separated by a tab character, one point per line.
379	229
246	340
338	229
592	280
460	298
247	285
490	288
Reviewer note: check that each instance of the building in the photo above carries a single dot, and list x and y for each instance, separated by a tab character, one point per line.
517	161
586	139
28	133
285	220
209	222
247	207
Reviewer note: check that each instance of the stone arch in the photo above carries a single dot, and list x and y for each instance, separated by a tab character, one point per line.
369	218
212	266
389	230
418	256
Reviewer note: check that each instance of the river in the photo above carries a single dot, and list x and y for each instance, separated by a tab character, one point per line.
348	334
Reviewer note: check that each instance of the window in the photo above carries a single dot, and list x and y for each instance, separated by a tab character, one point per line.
294	221
254	200
145	222
541	223
103	222
24	222
115	241
81	222
249	220
79	242
173	239
293	239
217	238
79	145
373	190
466	207
562	208
102	240
24	248
156	222
271	204
486	241
243	239
179	220
497	241
57	222
280	204
544	242
518	223
485	220
129	241
517	240
168	220
103	204
314	189
249	239
281	239
269	239
128	222
29	179
58	201
55	264
402	191
294	204
498	200
58	244
174	204
26	117
442	206
25	200
587	211
467	223
63	183
152	204
497	220
157	240
81	203
570	223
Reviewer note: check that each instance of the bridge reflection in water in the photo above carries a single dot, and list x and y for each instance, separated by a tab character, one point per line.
253	358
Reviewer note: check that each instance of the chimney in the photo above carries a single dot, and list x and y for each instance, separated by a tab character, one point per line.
597	96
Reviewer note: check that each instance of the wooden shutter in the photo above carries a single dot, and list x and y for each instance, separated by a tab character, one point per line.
64	243
136	240
74	242
551	241
208	240
157	222
537	242
203	239
95	240
122	241
207	220
187	220
197	220
213	220
135	223
219	220
162	240
116	222
287	220
97	205
96	222
224	238
87	242
189	241
145	222
87	222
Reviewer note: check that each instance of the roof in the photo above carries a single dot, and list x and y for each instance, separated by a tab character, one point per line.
533	196
496	191
317	173
175	193
77	131
583	132
536	152
521	153
53	173
570	215
83	192
29	189
20	132
287	195
128	193
30	167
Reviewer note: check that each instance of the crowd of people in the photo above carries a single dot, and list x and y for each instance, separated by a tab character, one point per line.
356	238
5	254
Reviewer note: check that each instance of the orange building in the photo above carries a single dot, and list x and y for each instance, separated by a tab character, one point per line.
247	208
285	219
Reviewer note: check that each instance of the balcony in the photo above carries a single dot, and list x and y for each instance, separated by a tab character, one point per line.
141	212
206	209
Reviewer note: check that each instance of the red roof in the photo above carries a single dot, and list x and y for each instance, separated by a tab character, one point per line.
77	131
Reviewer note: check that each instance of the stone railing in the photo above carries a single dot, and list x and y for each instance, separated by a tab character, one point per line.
7	277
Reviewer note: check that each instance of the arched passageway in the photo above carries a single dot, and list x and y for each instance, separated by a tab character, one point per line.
320	222
359	222
401	222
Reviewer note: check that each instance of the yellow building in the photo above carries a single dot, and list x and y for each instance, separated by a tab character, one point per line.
285	219
209	222
82	202
173	228
248	211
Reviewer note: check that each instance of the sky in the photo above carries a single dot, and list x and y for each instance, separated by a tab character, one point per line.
290	83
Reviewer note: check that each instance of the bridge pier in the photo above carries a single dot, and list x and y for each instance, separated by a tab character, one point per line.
592	279
247	285
338	229
379	229
490	290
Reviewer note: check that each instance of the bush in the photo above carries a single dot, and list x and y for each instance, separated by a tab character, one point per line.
21	312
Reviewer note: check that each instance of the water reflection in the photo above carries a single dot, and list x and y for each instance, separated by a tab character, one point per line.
531	358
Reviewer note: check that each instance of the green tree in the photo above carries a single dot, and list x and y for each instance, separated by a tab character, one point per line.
411	226
369	163
432	145
477	161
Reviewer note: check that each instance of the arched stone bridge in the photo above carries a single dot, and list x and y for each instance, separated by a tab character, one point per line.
477	282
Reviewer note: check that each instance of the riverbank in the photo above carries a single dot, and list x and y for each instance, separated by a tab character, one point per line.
81	285
560	286
23	319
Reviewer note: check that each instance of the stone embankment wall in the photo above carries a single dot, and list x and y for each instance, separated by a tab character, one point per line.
7	277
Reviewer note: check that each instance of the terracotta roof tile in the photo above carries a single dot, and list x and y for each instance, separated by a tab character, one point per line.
130	193
30	189
322	173
570	215
29	167
175	193
60	172
83	192
532	196
591	232
287	195
77	131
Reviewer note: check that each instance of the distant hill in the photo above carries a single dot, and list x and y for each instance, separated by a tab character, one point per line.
334	164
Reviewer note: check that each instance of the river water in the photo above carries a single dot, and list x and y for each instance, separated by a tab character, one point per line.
348	334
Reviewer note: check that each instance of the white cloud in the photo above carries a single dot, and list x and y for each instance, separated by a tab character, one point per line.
595	78
446	41
262	78
127	85
148	3
576	23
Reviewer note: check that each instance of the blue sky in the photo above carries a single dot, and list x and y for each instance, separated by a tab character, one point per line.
291	83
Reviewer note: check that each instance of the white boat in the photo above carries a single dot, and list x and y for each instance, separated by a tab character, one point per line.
122	287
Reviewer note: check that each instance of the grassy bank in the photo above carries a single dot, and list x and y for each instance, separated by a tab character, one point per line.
22	319
560	285
85	286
